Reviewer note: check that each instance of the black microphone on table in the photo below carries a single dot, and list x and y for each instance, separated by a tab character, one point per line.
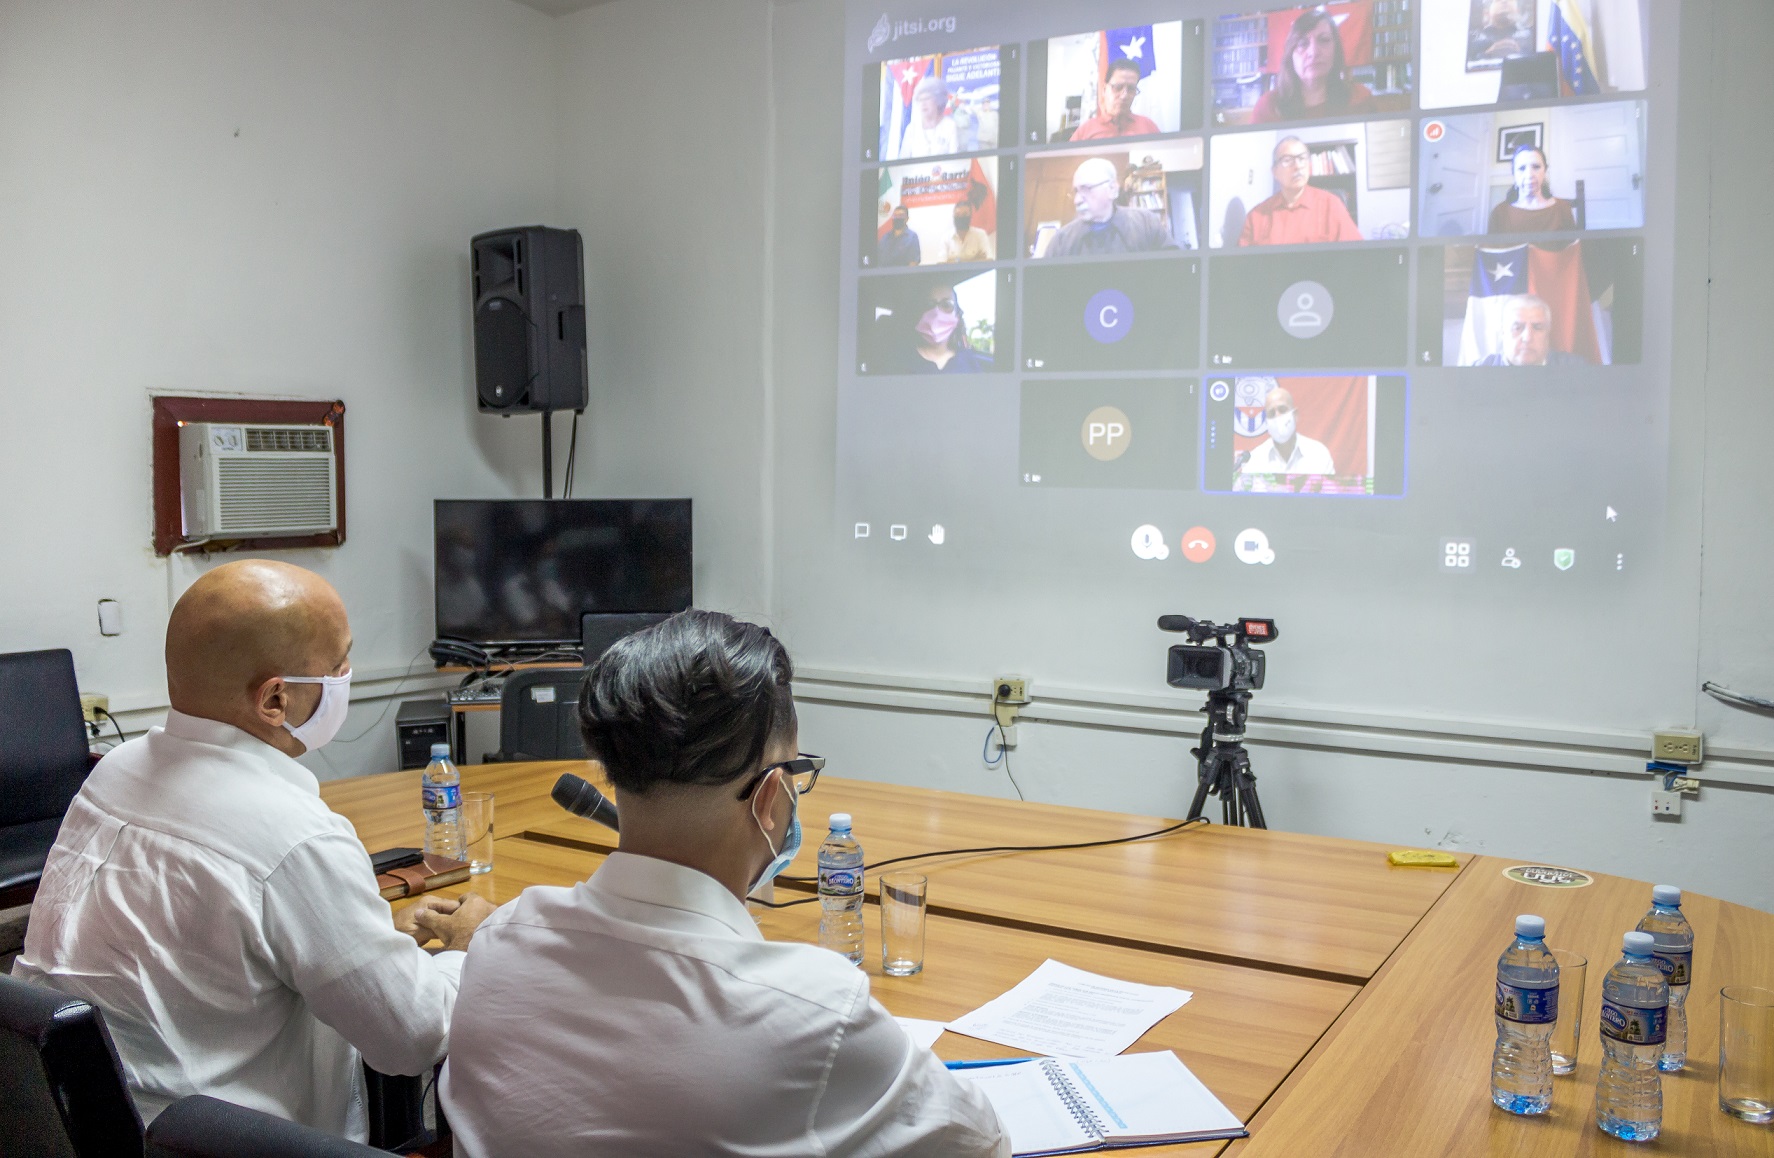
580	797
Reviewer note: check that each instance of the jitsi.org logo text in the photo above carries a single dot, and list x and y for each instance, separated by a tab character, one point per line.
886	29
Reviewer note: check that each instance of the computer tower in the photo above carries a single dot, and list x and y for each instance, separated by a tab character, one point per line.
418	724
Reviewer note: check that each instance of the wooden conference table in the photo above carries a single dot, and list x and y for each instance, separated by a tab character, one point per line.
1341	1005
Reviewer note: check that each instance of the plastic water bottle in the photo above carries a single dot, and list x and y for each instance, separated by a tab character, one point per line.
840	890
1674	955
1527	1006
441	797
1635	1015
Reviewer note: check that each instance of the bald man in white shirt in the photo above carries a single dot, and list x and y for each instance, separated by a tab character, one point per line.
223	918
641	1013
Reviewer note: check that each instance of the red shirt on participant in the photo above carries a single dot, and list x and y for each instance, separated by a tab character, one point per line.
1098	127
1319	216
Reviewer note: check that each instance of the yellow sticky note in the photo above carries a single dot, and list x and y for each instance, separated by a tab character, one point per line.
1413	856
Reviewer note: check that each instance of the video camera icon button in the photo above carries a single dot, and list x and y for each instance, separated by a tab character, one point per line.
1252	546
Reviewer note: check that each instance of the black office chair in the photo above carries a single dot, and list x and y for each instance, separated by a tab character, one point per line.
43	762
205	1127
538	716
63	1089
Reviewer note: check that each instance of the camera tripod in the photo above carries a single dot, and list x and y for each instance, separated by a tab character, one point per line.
1222	764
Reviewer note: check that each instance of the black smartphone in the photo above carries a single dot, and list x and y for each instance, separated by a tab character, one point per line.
390	859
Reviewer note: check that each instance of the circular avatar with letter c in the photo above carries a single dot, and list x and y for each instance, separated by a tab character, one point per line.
1108	316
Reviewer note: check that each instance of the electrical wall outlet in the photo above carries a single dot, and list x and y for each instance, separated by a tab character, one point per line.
1665	803
1009	694
1676	746
1010	690
92	704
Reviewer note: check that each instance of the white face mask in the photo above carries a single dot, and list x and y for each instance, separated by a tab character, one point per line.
1281	426
329	713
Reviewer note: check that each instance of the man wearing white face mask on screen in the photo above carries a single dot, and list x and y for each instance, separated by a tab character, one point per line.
641	1013
1287	451
202	896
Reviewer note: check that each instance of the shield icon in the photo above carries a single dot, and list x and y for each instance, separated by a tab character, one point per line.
1564	558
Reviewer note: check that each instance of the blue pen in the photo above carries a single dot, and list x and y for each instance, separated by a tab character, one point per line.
983	1063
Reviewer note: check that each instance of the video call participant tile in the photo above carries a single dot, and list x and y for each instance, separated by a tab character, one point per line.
1554	303
936	212
1484	52
1546	170
940	104
1312	62
1305	435
944	321
1113	199
1138	81
1131	434
1311	185
1308	309
1126	315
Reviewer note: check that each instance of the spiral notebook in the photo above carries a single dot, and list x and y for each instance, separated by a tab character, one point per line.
1062	1106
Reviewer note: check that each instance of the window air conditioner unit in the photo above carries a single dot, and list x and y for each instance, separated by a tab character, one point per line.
240	481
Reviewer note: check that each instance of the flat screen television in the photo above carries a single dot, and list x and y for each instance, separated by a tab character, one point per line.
524	571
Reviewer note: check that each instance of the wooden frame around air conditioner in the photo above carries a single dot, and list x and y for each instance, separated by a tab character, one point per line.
170	411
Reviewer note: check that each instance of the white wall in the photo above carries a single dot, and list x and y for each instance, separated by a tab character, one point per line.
321	253
1566	795
268	197
664	163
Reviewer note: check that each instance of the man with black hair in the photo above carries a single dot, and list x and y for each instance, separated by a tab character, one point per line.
641	1012
1114	107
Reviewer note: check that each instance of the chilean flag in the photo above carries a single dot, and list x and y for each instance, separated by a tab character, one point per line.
1133	44
1555	275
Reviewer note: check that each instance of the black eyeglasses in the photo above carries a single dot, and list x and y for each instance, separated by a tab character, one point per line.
802	774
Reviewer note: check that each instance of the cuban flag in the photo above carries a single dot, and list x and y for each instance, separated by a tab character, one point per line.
898	79
1554	275
1133	44
1567	35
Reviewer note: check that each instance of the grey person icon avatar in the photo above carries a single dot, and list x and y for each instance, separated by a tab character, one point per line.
1305	309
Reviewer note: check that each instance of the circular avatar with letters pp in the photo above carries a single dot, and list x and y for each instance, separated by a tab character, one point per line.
1106	433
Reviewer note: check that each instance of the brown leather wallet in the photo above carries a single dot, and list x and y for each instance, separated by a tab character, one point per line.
434	872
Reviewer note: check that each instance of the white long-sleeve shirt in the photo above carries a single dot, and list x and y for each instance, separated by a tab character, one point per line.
228	925
641	1013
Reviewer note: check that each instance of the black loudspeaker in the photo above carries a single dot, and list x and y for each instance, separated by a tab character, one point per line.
529	320
599	629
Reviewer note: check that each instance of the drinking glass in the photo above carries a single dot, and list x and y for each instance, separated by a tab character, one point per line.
903	899
477	831
1746	1052
1568	1031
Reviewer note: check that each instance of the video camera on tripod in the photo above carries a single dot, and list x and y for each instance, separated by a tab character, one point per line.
1219	660
1225	664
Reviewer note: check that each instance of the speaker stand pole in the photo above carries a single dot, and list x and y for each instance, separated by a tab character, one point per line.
548	454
